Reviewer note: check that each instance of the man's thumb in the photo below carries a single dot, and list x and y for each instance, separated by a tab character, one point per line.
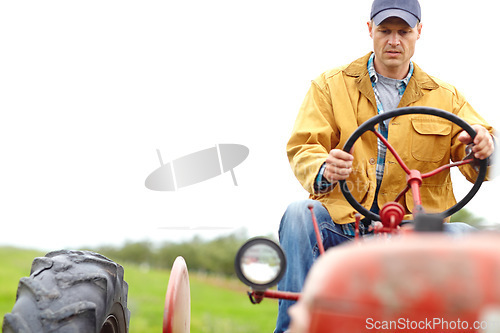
464	137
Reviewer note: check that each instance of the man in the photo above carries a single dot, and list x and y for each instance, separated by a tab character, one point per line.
342	99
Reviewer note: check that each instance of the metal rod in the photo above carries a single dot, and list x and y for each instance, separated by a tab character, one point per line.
316	230
356	232
276	294
415	191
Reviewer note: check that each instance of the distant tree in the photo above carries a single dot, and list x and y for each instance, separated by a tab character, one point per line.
210	256
468	217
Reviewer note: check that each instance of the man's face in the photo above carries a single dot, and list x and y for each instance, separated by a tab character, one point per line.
394	45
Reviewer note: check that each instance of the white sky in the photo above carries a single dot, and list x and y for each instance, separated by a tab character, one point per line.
90	89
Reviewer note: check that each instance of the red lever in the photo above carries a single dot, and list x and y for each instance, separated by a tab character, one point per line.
316	230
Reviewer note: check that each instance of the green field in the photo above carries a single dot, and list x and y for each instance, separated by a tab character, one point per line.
217	304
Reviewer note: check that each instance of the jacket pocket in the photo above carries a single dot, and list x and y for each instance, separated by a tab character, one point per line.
430	140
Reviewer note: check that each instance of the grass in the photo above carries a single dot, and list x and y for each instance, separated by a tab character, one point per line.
14	264
217	304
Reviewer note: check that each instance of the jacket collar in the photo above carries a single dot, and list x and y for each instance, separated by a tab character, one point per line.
419	81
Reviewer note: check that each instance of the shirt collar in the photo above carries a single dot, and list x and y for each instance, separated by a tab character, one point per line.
374	76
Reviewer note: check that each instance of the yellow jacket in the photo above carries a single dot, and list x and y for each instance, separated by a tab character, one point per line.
342	99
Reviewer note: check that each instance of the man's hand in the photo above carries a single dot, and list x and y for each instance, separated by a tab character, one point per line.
483	142
338	166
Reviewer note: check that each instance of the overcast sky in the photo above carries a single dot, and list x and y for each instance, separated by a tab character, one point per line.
89	90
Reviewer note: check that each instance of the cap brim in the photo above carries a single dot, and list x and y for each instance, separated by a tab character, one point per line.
409	18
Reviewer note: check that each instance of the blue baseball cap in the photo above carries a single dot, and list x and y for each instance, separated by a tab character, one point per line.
408	10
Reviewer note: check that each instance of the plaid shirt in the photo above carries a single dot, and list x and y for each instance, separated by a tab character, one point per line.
349	228
383	126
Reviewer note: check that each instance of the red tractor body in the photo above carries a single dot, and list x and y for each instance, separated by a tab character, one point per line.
416	282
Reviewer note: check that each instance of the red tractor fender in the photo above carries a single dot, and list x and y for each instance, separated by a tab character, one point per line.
177	310
413	282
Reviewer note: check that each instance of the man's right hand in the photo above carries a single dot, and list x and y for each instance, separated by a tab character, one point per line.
338	166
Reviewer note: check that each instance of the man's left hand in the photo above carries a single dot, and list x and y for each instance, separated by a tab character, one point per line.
483	142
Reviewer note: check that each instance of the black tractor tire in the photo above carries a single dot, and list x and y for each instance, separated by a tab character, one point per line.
70	291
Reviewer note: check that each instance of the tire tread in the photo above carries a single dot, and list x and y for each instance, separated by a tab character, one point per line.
69	291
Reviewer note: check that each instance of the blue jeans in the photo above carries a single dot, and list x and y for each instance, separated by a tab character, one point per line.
298	240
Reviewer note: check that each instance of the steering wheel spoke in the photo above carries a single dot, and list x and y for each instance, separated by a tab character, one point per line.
393	151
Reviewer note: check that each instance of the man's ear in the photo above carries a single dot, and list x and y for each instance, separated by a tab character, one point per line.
370	25
419	30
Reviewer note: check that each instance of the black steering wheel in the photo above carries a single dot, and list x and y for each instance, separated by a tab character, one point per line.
369	125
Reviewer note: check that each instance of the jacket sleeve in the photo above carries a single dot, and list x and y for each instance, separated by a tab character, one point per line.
465	111
313	135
